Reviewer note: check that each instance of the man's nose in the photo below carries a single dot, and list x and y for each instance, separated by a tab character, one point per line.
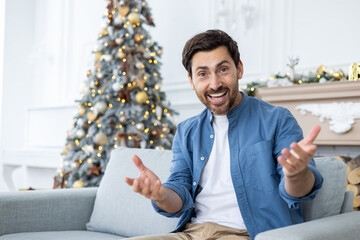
215	82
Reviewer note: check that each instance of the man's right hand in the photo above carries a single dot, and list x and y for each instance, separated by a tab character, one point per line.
147	184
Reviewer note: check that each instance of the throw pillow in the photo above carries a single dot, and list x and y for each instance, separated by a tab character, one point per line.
119	210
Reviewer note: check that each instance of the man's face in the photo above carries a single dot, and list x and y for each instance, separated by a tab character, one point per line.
215	80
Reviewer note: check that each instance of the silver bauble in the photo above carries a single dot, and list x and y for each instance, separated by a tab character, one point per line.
140	126
116	86
100	107
80	133
122	119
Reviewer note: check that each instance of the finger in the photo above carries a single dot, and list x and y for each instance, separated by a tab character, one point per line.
314	132
137	186
155	192
288	156
138	163
292	158
303	153
129	181
298	152
146	187
283	162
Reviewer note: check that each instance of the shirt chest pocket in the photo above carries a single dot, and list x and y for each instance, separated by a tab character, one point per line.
260	167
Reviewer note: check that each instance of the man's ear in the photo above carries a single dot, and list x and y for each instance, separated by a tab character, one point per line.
240	70
191	81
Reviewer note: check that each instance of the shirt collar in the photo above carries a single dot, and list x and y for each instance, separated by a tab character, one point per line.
235	112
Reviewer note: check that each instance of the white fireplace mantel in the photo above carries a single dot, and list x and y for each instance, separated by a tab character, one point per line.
334	106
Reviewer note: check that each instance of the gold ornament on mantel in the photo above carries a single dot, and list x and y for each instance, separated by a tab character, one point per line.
321	69
338	75
354	72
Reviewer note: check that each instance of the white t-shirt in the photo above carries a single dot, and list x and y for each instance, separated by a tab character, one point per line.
217	201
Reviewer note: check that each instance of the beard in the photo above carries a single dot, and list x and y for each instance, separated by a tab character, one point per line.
223	108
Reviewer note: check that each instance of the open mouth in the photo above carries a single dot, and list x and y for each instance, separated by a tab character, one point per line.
217	98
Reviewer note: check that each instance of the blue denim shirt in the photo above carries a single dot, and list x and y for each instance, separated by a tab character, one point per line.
257	133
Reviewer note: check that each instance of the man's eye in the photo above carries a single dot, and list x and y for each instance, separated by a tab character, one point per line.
224	69
201	74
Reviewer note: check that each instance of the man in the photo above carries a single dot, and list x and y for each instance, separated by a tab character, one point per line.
233	175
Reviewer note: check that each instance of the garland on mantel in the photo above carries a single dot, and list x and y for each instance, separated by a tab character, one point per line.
321	75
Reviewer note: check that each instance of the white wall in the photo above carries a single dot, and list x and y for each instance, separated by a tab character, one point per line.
2	33
48	48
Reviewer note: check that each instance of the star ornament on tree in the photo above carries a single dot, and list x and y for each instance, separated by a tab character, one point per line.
94	170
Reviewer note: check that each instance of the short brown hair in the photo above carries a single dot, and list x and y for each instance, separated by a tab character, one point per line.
207	41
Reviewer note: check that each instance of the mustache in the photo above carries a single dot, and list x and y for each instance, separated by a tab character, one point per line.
219	90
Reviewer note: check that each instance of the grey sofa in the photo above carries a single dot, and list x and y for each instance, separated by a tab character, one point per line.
113	211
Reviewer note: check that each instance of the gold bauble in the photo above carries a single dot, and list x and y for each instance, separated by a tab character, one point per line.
321	69
82	110
338	75
133	18
91	116
79	184
124	10
98	56
101	138
141	97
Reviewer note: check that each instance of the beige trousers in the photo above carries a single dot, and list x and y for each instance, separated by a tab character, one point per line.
201	231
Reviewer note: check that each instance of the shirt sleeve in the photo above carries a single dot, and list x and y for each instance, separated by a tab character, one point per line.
289	131
180	178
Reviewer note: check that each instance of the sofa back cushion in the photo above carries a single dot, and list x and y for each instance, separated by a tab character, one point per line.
119	210
329	199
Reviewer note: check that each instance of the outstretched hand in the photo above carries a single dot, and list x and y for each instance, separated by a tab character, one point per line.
147	184
296	160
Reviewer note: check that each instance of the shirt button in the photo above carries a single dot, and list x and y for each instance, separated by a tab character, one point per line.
202	158
211	136
194	183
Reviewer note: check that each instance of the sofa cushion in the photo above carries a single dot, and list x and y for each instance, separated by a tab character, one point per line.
60	235
119	210
329	199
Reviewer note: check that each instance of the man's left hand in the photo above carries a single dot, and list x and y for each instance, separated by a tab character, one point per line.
296	160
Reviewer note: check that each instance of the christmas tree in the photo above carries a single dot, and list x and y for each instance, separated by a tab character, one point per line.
122	103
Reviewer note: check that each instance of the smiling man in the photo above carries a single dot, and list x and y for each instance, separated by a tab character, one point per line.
241	166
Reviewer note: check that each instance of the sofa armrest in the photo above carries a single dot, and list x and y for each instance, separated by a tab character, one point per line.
342	226
348	203
46	210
